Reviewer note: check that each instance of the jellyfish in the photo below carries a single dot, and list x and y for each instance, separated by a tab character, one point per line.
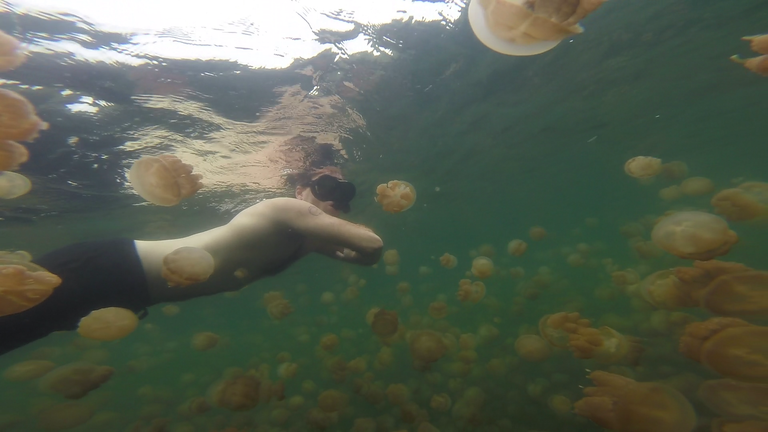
438	310
517	247
482	267
396	196
391	257
13	185
532	348
625	278
605	345
697	186
557	328
470	291
643	167
75	380
514	27
759	43
537	233
729	346
170	310
204	341
64	416
11	53
672	193
193	407
385	323
321	420
560	404
735	399
28	370
12	154
277	307
696	279
694	235
329	342
747	202
625	405
18	120
758	65
448	261
331	401
186	266
24	285
108	324
244	392
440	402
164	180
665	291
426	346
398	394
738	294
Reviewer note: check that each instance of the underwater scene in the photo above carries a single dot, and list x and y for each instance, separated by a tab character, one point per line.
337	215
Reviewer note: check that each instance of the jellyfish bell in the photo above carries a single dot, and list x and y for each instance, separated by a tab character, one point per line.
749	201
18	119
738	294
11	53
164	180
532	348
13	185
735	399
395	196
643	167
186	266
12	154
75	380
24	285
694	235
108	324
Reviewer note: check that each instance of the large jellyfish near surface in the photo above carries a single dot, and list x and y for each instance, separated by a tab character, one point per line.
186	266
396	196
108	324
75	380
522	28
625	405
747	202
18	119
738	294
643	167
731	347
735	399
11	53
13	185
164	180
694	235
24	285
12	154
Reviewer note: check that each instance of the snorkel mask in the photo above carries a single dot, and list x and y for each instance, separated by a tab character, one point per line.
329	188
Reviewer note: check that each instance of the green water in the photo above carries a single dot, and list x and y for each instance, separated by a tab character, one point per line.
494	145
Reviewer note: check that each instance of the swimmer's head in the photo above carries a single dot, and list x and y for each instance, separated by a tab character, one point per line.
325	188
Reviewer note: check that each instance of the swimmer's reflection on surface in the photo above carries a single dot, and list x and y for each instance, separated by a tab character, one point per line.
262	240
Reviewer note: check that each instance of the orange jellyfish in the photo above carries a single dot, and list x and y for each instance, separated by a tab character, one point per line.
665	291
625	405
385	323
672	193
517	247
11	53
18	120
694	235
396	196
735	399
738	294
12	154
532	348
605	345
448	261
470	291
331	401
186	266
243	393
13	185
674	170
170	310
28	370
729	346
747	202
426	347
758	65
438	310
482	267
643	167
759	43
277	307
164	180
75	380
204	341
329	342
108	324
23	285
398	394
697	186
557	328
537	233
440	402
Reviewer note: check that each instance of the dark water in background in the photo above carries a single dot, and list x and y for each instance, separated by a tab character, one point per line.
510	142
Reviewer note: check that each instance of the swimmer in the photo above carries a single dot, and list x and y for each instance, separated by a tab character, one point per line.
261	241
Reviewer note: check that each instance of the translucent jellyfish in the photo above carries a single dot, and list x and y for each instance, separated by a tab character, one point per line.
557	328
448	261
64	416
537	233
23	285
11	53
426	347
15	256
12	155
605	345
482	267
697	186
470	291
75	380
28	370
440	402
329	342
758	65
385	323
694	235
13	185
514	27
398	394
625	278
735	399
204	341
532	348
624	405
560	404
331	401
438	310
396	196
729	346
738	294
643	167
277	307
674	170
747	202
391	257
665	291
108	324
18	120
186	266
164	180
517	247
170	310
672	193
517	272
244	392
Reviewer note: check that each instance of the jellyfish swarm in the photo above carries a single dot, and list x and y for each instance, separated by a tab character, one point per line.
75	380
277	307
108	324
13	185
384	323
643	167
396	196
11	53
694	235
12	154
729	346
164	180
738	294
735	399
624	405
23	285
747	202
186	266
18	120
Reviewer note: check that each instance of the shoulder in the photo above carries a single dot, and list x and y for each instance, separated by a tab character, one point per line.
279	209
